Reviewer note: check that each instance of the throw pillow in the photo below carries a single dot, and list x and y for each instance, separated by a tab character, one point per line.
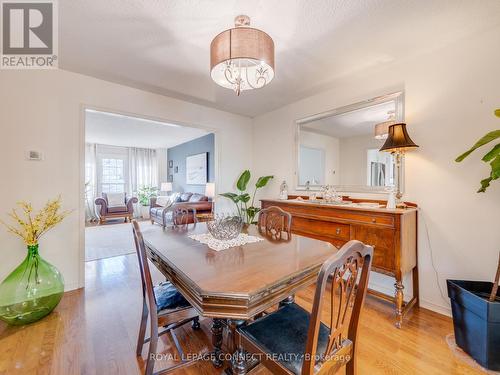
163	200
116	199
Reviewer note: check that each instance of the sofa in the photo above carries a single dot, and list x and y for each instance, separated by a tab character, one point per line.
123	209
183	211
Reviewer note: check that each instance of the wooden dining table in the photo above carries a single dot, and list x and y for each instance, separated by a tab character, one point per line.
234	285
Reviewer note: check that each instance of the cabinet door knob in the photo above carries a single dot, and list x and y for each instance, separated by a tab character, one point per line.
338	231
374	220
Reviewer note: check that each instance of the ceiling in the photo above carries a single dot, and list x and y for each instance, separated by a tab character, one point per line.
354	123
163	46
118	130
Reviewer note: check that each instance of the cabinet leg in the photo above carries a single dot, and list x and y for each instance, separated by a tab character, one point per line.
217	328
416	292
399	297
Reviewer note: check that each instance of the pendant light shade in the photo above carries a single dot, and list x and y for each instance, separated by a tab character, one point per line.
242	58
382	129
398	139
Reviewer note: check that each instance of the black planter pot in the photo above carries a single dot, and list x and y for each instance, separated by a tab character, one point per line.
476	321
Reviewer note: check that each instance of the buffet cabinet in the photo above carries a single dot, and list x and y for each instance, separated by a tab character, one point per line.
392	233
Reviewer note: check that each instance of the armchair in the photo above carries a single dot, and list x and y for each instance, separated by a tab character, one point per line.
107	211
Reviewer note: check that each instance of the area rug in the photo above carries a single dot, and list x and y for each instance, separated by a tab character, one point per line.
105	241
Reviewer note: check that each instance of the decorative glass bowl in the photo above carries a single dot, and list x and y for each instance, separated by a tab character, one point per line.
225	228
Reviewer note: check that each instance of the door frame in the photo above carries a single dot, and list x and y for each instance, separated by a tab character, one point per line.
83	108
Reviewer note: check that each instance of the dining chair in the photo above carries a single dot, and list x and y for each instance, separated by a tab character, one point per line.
274	222
183	216
294	341
165	306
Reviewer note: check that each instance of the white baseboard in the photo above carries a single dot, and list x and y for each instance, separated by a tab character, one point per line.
443	310
388	290
72	286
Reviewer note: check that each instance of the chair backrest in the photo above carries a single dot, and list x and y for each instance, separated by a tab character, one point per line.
274	222
147	282
182	216
347	274
105	197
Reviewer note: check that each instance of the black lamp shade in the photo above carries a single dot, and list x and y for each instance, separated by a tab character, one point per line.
398	139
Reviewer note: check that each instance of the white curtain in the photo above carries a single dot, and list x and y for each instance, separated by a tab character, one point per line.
143	168
90	181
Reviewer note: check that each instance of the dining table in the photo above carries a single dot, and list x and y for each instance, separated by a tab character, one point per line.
234	285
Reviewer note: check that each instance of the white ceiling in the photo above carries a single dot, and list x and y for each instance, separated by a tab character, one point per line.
354	123
117	130
163	46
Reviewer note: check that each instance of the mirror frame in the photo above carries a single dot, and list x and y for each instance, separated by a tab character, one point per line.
397	97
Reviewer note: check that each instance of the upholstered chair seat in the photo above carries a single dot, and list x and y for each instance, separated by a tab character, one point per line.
283	334
115	209
168	297
157	211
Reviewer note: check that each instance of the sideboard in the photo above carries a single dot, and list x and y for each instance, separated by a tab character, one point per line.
391	232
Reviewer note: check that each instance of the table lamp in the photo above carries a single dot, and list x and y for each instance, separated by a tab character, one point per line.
210	193
166	187
398	142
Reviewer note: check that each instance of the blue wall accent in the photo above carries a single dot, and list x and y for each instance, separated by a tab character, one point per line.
178	155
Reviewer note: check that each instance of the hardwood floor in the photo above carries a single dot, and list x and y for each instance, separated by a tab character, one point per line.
94	331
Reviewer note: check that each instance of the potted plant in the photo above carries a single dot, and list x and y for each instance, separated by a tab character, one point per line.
242	199
35	287
145	193
475	305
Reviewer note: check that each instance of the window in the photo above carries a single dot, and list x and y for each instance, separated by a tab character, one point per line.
113	175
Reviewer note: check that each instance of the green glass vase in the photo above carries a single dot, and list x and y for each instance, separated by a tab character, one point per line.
31	291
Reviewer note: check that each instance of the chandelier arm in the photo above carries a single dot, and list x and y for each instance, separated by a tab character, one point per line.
257	80
229	79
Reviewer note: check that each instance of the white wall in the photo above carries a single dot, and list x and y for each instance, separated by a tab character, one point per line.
450	98
43	110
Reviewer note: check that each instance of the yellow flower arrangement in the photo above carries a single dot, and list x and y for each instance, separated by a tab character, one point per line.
30	228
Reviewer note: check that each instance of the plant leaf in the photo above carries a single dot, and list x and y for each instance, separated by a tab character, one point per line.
495	151
494	175
244	197
243	180
234	197
262	181
484	140
495	168
484	184
497	112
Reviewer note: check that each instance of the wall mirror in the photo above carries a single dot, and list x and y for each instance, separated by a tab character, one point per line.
341	147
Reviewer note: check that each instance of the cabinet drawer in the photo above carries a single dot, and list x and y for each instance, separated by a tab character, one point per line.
383	242
342	215
373	219
322	228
